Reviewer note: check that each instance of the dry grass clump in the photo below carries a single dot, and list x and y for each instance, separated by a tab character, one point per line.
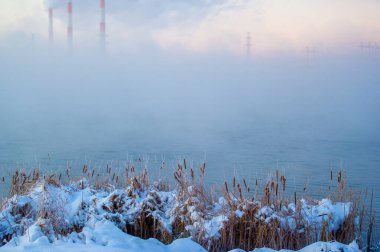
21	182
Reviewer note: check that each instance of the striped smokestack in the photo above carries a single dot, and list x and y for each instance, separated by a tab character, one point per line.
51	30
70	24
102	24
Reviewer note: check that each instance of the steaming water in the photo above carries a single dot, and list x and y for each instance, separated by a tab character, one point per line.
242	116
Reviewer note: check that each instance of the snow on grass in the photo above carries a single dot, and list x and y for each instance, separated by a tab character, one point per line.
78	217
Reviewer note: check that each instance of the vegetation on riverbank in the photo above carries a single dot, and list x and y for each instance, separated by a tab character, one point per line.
244	215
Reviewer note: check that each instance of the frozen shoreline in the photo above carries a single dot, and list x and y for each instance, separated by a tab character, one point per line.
46	215
106	237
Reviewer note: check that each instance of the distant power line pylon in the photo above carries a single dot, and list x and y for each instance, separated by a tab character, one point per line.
369	47
311	52
248	44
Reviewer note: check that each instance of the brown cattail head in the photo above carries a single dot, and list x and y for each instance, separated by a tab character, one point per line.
203	168
339	176
267	194
276	189
240	192
192	174
245	183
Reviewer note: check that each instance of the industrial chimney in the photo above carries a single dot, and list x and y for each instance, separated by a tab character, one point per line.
51	28
102	25
70	25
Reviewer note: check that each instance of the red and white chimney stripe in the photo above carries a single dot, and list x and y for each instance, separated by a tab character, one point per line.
102	24
70	23
51	29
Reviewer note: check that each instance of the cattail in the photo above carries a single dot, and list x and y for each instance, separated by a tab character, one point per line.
339	176
240	192
203	168
92	175
267	194
245	183
295	198
184	163
113	177
276	189
234	183
136	183
226	185
117	179
192	174
60	175
331	175
176	177
3	179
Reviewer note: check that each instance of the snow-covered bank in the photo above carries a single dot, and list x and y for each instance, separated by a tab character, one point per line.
104	236
83	215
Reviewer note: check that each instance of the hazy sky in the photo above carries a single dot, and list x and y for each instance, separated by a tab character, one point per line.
199	25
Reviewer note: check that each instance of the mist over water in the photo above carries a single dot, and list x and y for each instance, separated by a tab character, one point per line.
241	114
